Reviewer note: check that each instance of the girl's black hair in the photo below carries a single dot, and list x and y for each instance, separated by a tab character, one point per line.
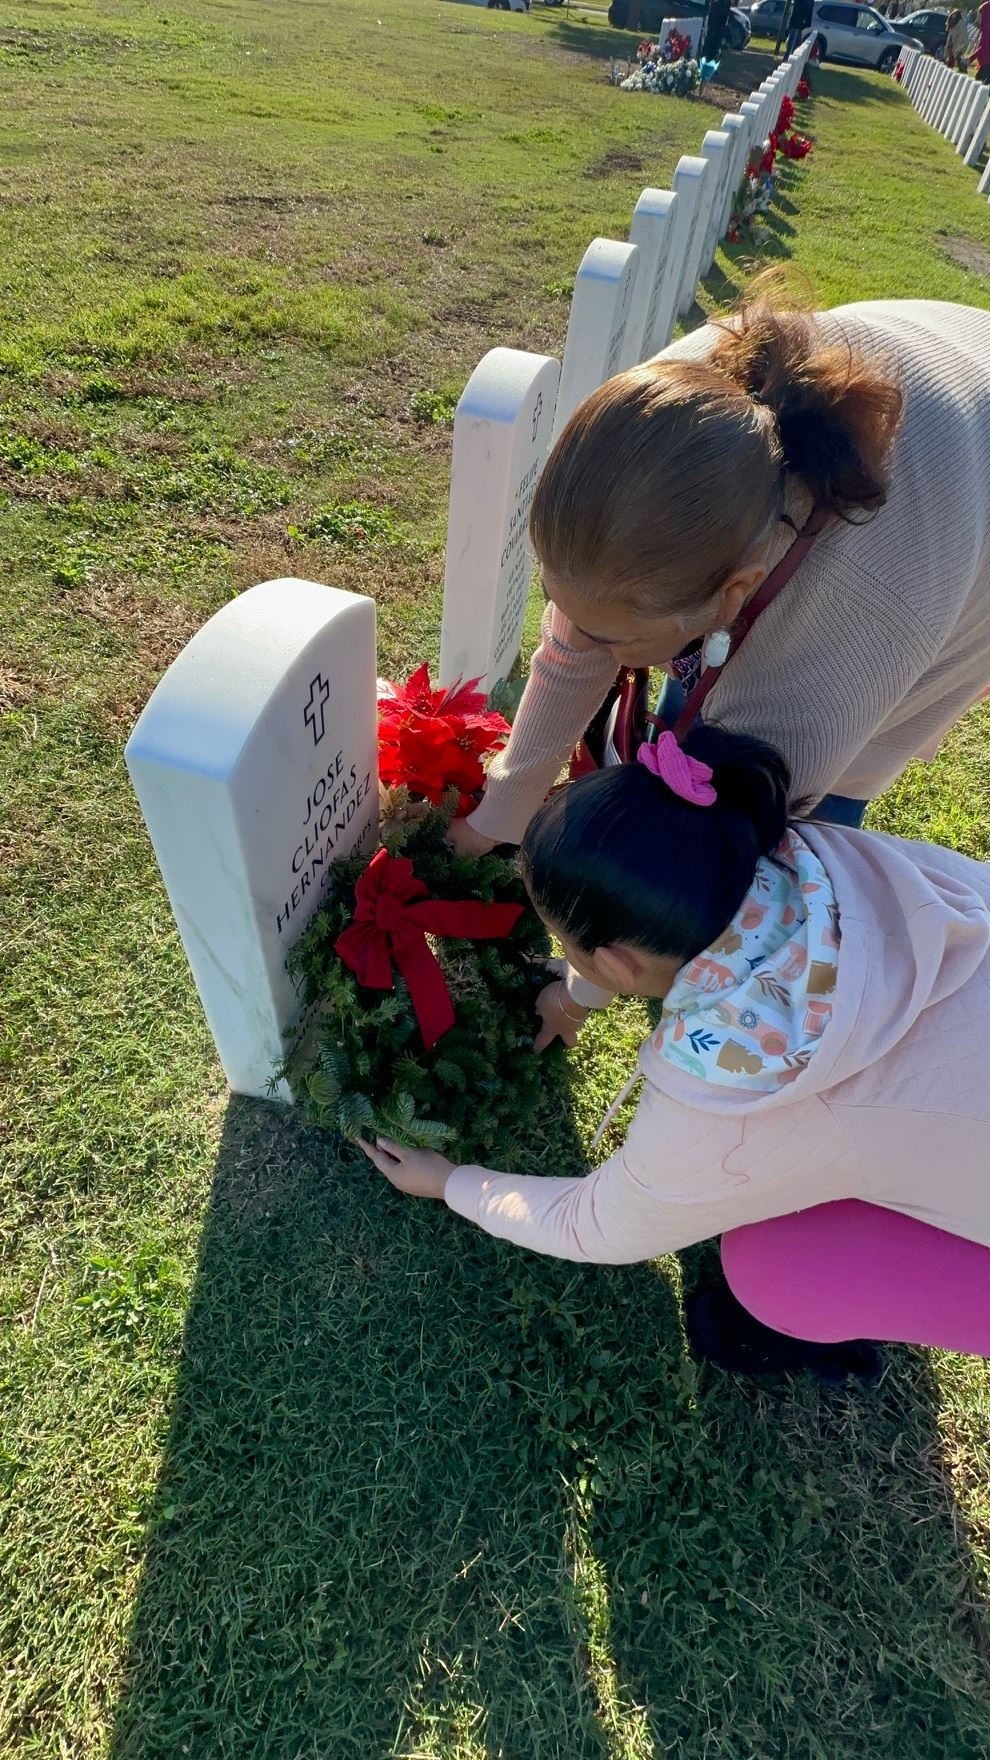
618	857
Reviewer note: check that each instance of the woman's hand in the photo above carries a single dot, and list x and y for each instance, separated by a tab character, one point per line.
465	841
561	1016
419	1172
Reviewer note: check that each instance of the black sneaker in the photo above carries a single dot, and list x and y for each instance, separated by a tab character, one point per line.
721	1331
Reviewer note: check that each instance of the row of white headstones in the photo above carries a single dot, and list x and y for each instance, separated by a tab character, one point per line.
954	103
255	760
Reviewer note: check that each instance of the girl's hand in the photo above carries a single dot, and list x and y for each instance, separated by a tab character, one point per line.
562	1018
465	841
420	1172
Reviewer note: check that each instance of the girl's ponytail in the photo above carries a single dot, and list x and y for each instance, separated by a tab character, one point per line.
618	856
836	412
749	777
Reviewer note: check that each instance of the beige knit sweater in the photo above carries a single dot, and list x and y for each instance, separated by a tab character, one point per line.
881	639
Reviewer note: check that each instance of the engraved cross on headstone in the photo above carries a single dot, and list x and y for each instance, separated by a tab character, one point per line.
319	695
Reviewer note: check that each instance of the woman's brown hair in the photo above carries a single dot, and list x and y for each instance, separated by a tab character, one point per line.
668	475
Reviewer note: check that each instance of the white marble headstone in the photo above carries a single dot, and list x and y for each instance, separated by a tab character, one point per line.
715	149
256	765
501	437
737	128
594	348
690	179
651	232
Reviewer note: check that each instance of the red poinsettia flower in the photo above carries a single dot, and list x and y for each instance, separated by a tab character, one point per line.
795	146
786	116
395	700
432	740
803	89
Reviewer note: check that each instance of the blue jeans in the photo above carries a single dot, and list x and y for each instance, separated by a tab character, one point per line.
840	809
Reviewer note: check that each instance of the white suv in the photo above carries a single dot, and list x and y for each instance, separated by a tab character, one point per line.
857	33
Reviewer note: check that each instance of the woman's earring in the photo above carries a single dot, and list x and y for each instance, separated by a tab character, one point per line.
715	651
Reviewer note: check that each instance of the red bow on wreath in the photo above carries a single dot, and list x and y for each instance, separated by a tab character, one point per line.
388	925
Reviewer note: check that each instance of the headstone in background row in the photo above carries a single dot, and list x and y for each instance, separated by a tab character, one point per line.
751	110
502	428
978	139
737	128
975	102
689	182
594	348
256	765
715	150
651	231
684	180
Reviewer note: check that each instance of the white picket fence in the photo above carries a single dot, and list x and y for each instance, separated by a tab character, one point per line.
954	103
627	298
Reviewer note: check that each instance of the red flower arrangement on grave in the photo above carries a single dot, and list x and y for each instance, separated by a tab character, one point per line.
677	46
419	973
795	146
756	192
432	740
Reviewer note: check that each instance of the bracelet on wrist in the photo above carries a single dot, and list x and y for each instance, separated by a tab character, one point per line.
577	1019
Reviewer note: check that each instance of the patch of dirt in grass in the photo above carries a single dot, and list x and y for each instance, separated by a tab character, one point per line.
968	253
16	689
265	559
59	488
616	159
161	626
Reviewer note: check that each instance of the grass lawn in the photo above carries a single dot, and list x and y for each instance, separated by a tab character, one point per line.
291	1467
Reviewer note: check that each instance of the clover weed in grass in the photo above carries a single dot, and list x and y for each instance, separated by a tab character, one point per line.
432	408
356	525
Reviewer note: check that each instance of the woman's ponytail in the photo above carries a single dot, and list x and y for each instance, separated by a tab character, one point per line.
618	856
837	413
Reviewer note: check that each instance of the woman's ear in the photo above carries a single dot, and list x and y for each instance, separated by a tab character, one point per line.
621	967
740	586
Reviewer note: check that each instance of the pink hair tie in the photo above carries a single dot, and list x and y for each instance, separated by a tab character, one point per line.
685	776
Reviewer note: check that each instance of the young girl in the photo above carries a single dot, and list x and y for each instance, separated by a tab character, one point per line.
817	1085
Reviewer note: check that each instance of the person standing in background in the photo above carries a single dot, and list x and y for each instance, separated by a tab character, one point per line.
800	23
956	40
718	18
983	46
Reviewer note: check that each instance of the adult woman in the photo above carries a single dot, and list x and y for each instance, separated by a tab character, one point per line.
825	1029
678	486
956	39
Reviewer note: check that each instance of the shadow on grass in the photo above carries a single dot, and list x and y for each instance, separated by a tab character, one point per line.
426	1495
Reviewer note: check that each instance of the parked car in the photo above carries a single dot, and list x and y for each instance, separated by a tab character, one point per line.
652	13
860	35
929	27
846	32
503	5
765	17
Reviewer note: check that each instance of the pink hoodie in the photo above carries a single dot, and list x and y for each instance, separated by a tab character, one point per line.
893	1107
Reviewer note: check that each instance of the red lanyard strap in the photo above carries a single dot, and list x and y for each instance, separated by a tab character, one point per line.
776	580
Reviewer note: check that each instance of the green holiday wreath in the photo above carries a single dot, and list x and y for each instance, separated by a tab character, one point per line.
361	1065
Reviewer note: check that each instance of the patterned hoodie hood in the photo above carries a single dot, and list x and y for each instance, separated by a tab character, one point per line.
750	1011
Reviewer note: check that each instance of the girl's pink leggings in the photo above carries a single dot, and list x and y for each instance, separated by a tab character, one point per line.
853	1270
